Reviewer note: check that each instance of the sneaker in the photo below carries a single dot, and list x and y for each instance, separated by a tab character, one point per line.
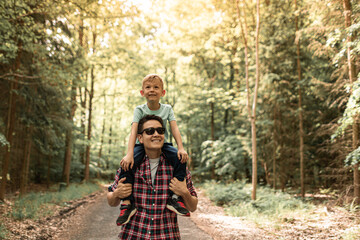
126	212
177	206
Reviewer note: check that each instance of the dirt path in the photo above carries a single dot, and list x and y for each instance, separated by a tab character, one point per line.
97	222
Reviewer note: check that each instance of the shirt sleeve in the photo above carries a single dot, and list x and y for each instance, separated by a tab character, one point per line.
114	185
171	114
190	184
137	114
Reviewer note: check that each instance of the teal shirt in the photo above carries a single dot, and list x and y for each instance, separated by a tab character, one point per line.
165	112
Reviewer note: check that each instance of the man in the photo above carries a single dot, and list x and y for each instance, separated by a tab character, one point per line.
153	179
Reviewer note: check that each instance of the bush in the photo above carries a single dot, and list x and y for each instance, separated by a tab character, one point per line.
269	205
36	205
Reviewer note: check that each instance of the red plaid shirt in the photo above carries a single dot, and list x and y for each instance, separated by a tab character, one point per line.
152	219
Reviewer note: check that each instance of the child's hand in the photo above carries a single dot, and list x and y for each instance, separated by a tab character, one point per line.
183	156
127	162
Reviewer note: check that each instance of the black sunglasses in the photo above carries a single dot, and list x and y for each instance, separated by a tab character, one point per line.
151	131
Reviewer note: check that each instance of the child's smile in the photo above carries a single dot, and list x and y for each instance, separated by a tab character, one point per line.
152	91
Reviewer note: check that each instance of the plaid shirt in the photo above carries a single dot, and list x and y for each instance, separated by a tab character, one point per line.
152	219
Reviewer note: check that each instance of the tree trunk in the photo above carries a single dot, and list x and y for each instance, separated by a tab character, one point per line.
25	162
103	129
251	112
48	171
91	96
68	138
352	77
253	117
10	125
82	99
82	121
301	129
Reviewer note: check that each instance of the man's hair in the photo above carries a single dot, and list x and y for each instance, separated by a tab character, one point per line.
151	78
148	118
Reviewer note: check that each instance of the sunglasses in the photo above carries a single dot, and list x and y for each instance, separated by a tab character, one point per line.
151	131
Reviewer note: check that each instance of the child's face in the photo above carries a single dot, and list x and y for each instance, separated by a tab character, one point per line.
152	91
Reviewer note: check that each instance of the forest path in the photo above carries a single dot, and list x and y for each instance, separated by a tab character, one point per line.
96	221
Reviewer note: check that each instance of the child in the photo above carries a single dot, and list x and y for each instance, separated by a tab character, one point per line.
152	90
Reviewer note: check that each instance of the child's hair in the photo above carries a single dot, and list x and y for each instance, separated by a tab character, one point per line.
153	77
148	118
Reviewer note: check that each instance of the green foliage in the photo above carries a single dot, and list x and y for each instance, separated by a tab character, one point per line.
236	198
36	205
227	156
353	157
3	232
3	140
352	109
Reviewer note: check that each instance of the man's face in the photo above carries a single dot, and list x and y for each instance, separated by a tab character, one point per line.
152	90
154	141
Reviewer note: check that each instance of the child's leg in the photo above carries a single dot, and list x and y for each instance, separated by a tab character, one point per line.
139	154
171	155
127	208
175	203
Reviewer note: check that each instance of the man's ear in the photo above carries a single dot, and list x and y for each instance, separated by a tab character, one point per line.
142	92
163	93
140	138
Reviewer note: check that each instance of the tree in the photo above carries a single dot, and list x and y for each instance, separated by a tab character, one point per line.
301	129
352	77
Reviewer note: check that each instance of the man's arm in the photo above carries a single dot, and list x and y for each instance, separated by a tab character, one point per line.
182	154
122	191
180	189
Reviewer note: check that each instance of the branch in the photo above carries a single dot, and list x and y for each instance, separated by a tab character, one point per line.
19	76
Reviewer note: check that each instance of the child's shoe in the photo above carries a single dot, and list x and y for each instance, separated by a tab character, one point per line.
177	206
126	212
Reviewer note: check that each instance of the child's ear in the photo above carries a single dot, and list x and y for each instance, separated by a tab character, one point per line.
163	93
142	92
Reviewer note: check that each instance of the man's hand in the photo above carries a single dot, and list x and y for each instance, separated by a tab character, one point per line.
123	190
127	162
179	188
182	155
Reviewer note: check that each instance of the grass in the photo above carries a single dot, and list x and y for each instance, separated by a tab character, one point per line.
41	204
269	206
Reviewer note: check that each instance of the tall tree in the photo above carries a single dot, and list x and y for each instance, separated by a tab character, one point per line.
352	77
10	123
252	116
91	96
301	128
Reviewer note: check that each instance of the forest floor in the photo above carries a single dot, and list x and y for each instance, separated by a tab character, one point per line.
91	218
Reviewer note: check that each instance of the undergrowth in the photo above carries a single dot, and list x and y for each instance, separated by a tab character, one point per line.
41	204
3	232
269	206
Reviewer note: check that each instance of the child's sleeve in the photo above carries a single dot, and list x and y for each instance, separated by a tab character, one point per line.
137	115
171	114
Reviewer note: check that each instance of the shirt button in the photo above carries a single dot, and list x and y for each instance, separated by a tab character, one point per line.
149	232
153	204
